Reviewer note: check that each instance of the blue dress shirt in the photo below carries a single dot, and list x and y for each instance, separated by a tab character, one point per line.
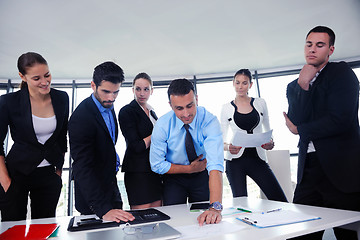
110	123
168	141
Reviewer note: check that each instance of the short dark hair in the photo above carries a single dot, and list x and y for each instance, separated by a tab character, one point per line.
180	87
108	71
323	29
144	76
27	60
245	72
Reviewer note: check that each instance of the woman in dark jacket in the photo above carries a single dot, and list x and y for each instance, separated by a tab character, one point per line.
37	116
143	186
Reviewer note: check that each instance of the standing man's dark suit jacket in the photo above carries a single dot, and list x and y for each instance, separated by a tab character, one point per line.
327	115
94	160
27	153
135	126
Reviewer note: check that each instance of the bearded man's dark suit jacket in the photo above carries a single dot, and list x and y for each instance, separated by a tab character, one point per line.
327	115
94	160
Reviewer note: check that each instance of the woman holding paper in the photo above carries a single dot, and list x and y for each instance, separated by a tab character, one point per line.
248	115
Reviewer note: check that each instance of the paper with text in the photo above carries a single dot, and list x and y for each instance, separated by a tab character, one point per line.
251	140
208	230
276	218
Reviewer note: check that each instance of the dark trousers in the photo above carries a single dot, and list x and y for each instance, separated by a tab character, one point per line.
43	186
315	189
259	171
178	188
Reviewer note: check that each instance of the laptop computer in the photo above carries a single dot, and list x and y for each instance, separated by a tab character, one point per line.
147	231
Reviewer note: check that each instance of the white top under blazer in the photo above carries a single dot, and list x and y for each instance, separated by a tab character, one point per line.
44	128
227	120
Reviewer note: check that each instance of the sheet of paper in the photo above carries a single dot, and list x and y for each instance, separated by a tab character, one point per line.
251	140
210	230
276	218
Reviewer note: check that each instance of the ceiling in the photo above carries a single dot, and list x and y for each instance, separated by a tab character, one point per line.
167	39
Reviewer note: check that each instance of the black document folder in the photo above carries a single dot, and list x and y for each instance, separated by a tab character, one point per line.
93	222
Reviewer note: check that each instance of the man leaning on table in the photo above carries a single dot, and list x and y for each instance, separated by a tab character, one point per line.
189	176
93	133
323	111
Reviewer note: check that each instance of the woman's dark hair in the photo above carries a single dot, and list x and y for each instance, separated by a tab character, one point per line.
245	72
28	60
144	76
180	87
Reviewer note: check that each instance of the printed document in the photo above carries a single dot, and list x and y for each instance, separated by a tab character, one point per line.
251	140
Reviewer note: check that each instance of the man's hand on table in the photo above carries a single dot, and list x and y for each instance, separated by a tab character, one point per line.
210	216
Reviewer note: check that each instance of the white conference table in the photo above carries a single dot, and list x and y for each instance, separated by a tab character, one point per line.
181	217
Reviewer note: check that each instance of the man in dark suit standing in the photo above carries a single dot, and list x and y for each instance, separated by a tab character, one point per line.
93	132
323	111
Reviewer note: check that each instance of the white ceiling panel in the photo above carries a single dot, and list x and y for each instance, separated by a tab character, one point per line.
170	38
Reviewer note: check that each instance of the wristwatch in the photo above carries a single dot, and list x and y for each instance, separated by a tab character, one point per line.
216	206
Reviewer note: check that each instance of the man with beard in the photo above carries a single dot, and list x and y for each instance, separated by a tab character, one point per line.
93	132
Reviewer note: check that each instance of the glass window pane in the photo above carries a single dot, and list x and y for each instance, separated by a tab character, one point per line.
10	142
67	154
81	94
273	90
160	101
213	95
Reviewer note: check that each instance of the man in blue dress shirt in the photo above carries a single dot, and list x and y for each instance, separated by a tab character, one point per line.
198	179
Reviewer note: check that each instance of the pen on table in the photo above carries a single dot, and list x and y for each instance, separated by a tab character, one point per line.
244	210
273	210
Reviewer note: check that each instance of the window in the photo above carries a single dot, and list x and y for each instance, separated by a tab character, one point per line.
273	90
215	94
210	95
